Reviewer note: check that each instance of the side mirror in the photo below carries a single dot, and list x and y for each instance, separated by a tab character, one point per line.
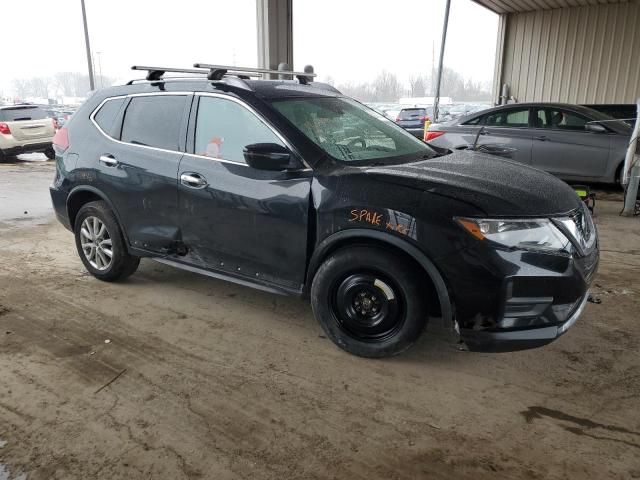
267	156
595	128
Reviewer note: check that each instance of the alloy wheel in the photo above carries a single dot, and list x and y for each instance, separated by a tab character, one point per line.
96	243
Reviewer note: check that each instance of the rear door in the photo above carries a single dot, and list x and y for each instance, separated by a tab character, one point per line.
28	124
137	160
507	134
239	220
562	145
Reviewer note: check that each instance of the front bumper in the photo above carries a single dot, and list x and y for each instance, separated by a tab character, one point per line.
508	341
514	300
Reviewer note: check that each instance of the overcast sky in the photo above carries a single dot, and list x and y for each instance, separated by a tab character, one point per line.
347	40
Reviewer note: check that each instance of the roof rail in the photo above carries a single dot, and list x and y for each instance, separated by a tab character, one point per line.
216	72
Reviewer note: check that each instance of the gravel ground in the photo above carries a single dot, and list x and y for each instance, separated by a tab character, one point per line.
174	375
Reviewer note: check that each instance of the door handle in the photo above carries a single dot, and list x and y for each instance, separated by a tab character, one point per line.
108	160
193	180
542	138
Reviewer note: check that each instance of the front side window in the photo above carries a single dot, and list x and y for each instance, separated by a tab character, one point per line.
224	128
518	118
349	132
560	119
154	121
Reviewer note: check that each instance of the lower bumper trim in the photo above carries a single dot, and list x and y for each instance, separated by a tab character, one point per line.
487	341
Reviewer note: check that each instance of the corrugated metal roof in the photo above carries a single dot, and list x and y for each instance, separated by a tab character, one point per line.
515	6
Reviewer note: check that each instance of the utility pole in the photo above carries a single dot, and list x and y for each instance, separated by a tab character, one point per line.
92	83
99	54
436	100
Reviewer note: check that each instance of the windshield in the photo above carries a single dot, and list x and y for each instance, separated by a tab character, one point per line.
349	132
608	121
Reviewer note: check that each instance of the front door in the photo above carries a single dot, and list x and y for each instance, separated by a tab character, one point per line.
236	219
562	145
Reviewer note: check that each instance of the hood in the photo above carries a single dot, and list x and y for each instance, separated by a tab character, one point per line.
495	185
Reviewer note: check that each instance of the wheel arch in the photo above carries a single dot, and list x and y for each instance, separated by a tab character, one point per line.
84	194
358	236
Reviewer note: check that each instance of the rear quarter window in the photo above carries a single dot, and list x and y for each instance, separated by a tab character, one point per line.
106	116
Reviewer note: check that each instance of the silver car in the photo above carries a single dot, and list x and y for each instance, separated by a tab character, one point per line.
572	142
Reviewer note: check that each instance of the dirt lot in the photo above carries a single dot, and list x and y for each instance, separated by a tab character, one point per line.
218	381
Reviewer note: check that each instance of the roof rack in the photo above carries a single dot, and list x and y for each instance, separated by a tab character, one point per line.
217	72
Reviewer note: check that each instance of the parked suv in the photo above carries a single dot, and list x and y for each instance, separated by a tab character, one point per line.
296	189
24	129
413	119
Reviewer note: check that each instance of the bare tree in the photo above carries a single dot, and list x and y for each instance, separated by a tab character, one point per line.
65	83
386	87
39	87
21	88
417	86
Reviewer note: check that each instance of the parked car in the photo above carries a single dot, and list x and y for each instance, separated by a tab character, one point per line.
296	189
572	142
25	129
412	119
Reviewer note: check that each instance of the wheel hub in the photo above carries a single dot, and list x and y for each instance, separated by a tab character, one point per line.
367	307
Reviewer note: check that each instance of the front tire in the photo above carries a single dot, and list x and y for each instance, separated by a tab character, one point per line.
50	153
101	245
369	302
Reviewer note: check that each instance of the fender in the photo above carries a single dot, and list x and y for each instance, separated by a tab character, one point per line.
363	233
94	190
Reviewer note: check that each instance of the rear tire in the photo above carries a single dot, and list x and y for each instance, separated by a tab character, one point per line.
50	153
101	245
369	302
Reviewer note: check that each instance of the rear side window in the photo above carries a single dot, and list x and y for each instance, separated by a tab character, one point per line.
154	121
21	113
517	118
107	114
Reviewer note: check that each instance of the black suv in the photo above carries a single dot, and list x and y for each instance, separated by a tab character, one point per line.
290	187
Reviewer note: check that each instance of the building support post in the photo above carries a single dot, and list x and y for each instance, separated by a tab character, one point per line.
631	170
436	100
275	33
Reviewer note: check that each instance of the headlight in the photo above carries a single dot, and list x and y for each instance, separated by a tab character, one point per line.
536	234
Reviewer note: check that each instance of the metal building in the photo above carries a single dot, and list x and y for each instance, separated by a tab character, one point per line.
576	51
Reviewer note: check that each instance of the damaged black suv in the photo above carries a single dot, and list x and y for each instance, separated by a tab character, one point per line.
290	187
